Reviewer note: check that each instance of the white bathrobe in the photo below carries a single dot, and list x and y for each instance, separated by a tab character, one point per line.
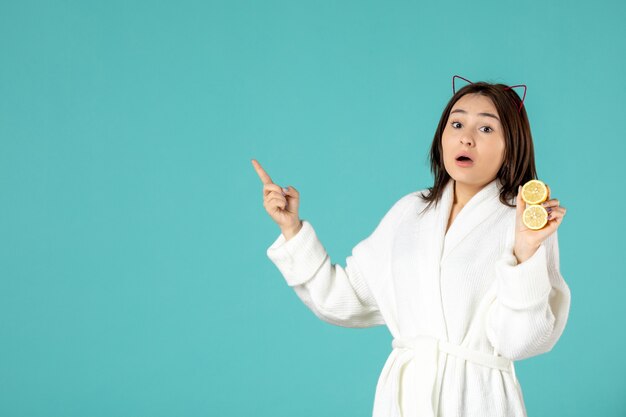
459	307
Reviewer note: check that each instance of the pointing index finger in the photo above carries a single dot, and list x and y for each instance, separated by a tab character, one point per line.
261	172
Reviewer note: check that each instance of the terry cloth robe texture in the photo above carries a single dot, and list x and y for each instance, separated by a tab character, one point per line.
460	308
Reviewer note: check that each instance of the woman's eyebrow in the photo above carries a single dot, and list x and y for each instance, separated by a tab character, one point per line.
480	114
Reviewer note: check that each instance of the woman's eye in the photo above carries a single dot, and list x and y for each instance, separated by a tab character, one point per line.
453	123
490	129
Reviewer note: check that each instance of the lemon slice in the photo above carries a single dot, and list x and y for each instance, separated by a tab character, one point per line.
535	192
535	217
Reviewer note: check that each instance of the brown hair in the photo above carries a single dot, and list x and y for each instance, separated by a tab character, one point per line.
519	155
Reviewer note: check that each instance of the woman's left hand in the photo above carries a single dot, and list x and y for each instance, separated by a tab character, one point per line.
527	241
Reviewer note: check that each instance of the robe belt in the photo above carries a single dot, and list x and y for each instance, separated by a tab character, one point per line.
424	352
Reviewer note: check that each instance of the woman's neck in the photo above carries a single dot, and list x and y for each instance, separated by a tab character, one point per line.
463	193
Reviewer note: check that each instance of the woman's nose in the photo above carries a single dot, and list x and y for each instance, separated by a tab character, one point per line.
467	140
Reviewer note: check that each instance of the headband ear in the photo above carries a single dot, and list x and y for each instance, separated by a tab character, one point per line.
523	97
458	76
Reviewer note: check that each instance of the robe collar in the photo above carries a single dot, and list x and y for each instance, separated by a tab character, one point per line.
481	206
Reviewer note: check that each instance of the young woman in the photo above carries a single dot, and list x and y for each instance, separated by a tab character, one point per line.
463	286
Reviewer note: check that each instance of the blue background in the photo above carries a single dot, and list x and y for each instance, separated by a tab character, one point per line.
133	274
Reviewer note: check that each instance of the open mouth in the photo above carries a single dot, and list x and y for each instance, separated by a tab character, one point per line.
464	161
463	158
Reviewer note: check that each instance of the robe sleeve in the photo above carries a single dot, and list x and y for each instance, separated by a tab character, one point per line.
532	304
339	295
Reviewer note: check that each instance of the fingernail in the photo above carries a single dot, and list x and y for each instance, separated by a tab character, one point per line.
285	189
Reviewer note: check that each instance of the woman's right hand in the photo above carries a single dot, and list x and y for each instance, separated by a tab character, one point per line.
280	203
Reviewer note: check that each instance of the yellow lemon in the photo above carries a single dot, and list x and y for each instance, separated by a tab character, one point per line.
535	217
535	192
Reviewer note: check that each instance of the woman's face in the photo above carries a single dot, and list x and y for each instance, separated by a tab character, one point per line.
474	129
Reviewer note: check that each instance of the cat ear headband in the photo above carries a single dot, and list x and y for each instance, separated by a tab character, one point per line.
507	88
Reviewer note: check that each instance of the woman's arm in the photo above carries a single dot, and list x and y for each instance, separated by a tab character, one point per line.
336	294
532	305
